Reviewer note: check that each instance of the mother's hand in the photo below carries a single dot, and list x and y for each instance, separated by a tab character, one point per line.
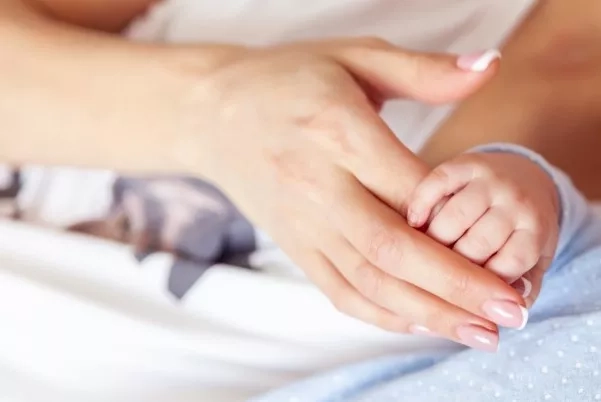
292	134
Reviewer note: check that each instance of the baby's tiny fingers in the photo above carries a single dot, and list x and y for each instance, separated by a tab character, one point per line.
520	254
486	237
444	180
459	213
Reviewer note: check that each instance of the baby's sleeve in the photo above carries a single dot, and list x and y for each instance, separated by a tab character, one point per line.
575	210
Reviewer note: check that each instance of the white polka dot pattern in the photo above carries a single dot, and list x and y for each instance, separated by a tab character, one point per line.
556	359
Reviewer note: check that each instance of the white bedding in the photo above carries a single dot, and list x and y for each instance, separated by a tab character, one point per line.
82	321
73	324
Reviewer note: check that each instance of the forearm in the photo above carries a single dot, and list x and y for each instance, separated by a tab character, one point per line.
546	95
75	97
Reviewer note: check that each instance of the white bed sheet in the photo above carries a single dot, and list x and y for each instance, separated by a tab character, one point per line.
82	321
81	317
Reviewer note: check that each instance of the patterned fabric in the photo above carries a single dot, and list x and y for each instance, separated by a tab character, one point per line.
10	183
186	217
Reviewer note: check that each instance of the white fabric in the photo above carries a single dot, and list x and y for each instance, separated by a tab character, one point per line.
61	196
80	315
79	318
434	25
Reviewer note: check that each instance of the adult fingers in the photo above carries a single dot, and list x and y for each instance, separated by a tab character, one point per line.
424	313
374	156
343	296
387	242
427	77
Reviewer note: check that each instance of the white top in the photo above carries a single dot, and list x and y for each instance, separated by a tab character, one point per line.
433	25
75	324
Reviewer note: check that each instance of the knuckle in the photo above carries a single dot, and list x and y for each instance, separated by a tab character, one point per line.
479	245
523	261
442	173
329	109
289	167
384	245
533	218
325	125
459	286
517	195
459	213
530	212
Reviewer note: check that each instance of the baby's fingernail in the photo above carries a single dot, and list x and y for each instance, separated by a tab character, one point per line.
505	313
523	286
413	219
477	337
478	62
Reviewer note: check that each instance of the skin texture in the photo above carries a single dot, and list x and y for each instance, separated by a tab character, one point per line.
545	97
290	133
499	210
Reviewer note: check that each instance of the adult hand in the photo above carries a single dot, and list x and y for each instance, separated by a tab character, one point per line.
292	134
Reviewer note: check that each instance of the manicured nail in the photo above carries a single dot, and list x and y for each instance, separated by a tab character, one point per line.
478	62
523	286
478	338
505	313
421	330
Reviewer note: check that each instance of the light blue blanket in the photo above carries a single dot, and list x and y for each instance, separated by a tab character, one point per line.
557	357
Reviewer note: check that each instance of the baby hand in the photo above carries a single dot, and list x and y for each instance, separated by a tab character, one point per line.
499	210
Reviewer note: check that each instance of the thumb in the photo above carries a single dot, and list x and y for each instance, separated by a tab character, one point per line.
431	78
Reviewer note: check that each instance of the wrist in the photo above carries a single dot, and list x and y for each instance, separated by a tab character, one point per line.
192	74
81	98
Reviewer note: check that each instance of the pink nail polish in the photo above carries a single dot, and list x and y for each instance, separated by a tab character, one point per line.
523	286
478	62
505	313
478	338
421	330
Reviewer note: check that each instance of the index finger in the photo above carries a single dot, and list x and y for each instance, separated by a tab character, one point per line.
386	240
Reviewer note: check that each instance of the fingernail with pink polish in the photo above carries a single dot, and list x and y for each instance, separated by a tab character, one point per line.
523	286
505	313
478	62
477	337
421	330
